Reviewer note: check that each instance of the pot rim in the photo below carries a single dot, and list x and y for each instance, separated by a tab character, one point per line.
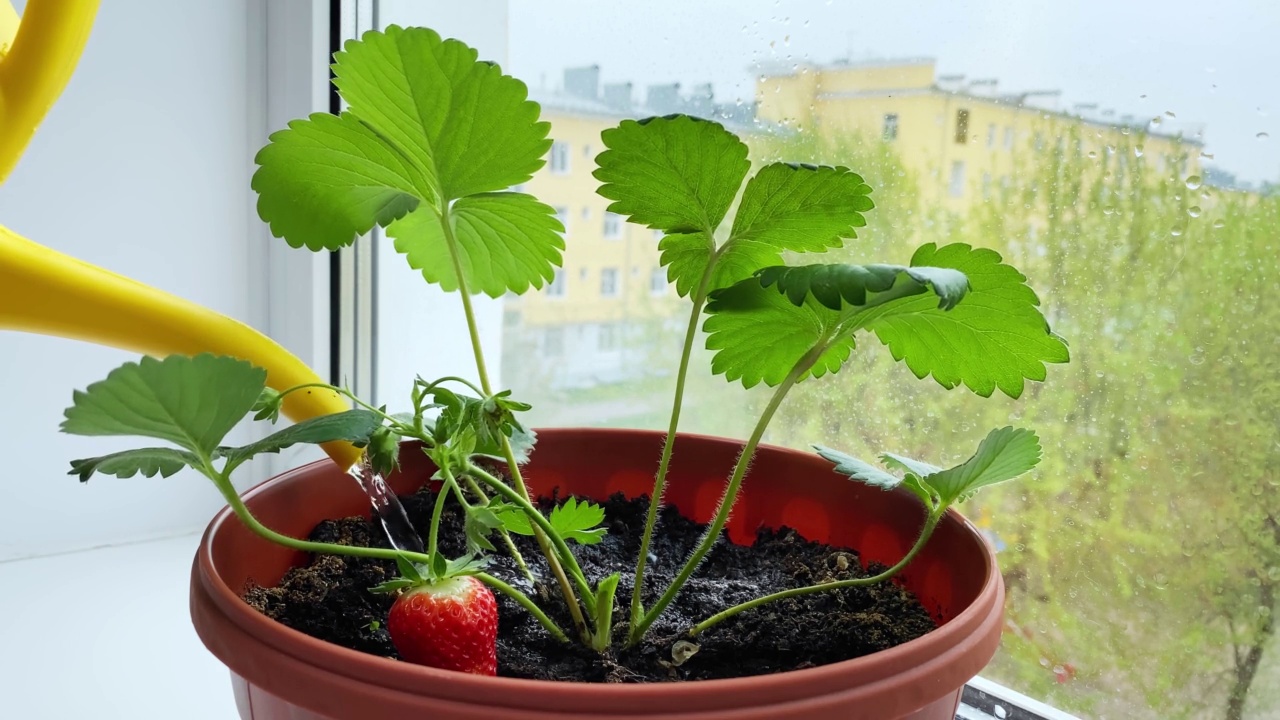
408	677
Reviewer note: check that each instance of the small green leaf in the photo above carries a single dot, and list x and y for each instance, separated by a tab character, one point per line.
1003	455
192	402
353	426
481	522
393	586
384	448
506	242
268	405
578	521
864	472
803	208
858	470
145	461
513	519
995	338
439	566
407	569
473	128
678	174
466	565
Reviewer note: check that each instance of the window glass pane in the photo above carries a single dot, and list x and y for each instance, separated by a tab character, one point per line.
1124	156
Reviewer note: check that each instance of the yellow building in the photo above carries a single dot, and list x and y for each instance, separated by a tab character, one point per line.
962	138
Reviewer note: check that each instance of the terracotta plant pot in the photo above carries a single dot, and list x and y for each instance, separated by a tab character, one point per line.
280	673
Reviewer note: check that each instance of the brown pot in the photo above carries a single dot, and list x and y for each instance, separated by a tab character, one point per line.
280	673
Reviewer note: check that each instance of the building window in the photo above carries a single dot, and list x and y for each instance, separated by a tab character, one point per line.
962	127
586	213
555	288
1008	138
957	179
582	273
991	135
559	158
986	186
612	226
657	282
553	341
607	337
586	150
609	282
890	126
562	214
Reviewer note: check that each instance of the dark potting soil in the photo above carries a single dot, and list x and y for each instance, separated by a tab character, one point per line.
329	599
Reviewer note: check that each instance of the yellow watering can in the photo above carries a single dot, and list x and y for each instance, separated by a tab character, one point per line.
46	292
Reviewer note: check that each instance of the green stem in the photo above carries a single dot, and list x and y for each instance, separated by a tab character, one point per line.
566	587
730	496
460	381
433	541
660	481
930	524
526	603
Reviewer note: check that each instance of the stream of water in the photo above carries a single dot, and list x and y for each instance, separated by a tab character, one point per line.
387	509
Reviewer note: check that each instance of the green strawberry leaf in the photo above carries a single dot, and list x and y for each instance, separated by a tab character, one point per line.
995	338
145	461
192	402
579	521
864	472
327	180
506	242
803	208
514	520
1003	455
678	174
353	426
470	127
430	130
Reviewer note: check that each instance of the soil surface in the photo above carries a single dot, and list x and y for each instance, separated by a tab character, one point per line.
329	599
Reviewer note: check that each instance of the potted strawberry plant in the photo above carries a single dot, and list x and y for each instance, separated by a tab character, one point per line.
763	573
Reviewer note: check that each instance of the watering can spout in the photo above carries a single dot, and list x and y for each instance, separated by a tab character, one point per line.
46	292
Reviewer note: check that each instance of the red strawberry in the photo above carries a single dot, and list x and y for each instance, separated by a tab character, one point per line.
450	624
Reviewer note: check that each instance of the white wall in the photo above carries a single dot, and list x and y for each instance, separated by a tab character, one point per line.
420	329
143	167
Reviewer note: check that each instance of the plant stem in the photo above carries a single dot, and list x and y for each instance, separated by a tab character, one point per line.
526	603
660	481
566	588
931	522
437	512
730	496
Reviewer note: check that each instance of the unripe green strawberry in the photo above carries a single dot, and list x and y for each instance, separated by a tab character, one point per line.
450	624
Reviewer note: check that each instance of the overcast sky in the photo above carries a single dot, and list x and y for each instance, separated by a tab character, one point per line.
1214	64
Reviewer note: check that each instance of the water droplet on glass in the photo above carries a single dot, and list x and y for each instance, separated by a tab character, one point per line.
1263	135
1194	211
1137	151
1142	97
1193	182
1124	131
1205	155
1197	358
1177	230
1000	712
1218	224
1093	155
1156	120
387	508
773	44
1108	209
1170	113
